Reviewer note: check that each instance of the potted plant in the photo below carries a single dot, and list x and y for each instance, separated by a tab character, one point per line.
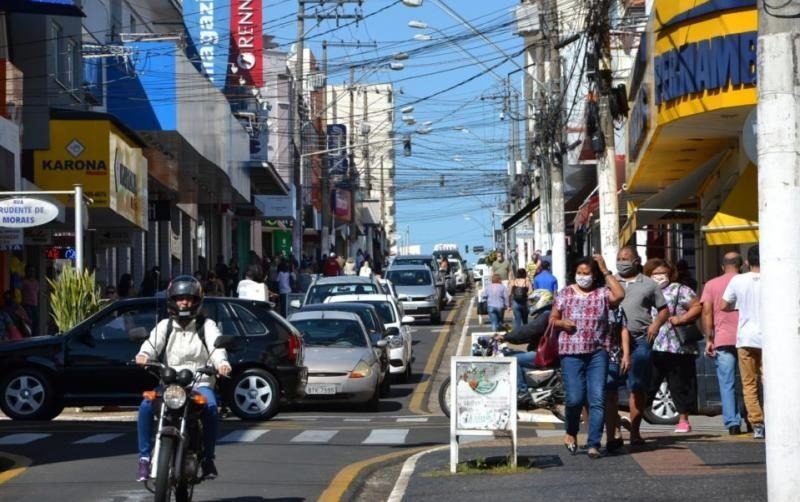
74	296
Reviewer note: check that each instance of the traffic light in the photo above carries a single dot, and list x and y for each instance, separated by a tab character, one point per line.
466	249
407	146
441	180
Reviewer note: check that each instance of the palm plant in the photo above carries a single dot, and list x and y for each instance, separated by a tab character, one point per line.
74	297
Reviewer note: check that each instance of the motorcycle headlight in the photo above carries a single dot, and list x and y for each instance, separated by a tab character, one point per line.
362	370
395	341
174	397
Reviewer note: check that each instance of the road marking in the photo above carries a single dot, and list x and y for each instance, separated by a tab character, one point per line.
412	419
18	465
548	433
243	436
539	418
400	487
312	436
386	436
357	419
465	328
98	438
415	405
22	438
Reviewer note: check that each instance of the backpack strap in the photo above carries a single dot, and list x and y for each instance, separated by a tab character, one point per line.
200	322
166	340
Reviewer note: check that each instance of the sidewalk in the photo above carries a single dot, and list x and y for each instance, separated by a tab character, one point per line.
699	466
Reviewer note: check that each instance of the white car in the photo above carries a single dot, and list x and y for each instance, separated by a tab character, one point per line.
400	350
480	269
457	269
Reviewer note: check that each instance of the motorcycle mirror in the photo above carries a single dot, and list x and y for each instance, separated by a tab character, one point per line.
224	341
138	334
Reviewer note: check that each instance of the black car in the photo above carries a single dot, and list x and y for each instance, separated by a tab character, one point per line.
91	364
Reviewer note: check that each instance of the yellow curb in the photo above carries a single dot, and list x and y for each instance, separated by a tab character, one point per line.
344	478
20	465
415	405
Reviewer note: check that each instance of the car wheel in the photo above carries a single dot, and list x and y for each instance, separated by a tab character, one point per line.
407	373
29	395
386	385
436	318
254	395
374	403
662	410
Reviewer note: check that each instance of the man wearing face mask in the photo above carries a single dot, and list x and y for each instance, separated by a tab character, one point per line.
642	296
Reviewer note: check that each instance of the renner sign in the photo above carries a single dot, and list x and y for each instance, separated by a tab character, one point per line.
26	212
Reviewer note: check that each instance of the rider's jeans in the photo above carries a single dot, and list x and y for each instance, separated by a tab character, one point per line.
210	419
524	362
585	382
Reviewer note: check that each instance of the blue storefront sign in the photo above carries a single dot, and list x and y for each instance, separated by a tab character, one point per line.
208	26
337	138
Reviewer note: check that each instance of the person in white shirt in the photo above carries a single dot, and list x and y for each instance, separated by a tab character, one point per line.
251	286
744	294
366	270
177	340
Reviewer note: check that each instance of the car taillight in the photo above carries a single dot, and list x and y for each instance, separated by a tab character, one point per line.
295	345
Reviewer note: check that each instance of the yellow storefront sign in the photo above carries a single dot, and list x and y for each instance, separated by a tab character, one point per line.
95	154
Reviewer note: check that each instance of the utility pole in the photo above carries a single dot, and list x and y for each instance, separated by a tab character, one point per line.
606	157
544	218
297	133
325	187
779	196
554	150
353	170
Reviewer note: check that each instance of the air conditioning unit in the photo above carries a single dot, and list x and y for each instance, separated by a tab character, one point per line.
527	18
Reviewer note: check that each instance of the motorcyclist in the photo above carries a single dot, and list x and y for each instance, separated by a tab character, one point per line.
180	348
541	302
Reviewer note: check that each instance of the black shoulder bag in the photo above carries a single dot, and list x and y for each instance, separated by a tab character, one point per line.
688	334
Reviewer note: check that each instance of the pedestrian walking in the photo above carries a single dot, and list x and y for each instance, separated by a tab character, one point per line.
719	329
366	269
331	266
502	268
519	298
125	286
495	295
673	357
350	266
580	316
251	286
642	296
444	270
284	286
619	361
744	294
213	285
545	279
149	284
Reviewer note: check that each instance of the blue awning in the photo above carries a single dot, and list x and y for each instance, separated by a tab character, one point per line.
45	7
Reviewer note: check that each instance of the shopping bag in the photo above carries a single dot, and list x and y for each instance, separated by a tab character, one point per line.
547	350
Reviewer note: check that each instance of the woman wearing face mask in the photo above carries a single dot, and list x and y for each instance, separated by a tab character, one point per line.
672	361
580	317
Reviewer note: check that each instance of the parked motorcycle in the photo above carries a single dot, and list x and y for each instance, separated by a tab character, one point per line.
545	386
178	445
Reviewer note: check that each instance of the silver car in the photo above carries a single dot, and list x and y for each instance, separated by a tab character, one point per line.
416	290
343	364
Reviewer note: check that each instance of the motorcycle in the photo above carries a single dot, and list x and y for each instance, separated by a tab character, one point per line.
545	386
178	446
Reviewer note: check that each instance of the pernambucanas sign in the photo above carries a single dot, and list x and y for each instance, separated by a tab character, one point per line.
24	212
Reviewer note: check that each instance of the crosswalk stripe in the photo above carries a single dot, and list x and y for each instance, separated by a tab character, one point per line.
386	436
412	419
313	436
22	438
98	438
243	436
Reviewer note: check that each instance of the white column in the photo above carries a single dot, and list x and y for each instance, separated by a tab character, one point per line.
779	196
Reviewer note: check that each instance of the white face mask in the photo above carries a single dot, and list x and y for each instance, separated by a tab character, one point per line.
584	281
661	279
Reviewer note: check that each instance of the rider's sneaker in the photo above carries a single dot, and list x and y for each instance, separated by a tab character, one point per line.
524	399
209	469
144	469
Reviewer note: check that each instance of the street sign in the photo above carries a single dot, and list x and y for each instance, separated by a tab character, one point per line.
24	212
477	249
38	237
114	238
483	397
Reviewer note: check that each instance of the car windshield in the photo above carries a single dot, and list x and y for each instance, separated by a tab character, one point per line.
412	261
320	292
481	261
385	310
409	277
343	333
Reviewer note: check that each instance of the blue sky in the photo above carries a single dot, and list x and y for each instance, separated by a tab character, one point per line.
466	149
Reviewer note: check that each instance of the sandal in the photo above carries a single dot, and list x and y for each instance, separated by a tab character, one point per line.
572	448
593	453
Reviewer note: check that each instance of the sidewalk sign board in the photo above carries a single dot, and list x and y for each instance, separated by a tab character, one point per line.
483	400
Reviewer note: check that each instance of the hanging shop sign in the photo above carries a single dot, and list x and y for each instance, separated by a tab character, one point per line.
24	212
11	239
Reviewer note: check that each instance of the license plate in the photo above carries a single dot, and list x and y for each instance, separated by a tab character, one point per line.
321	388
409	307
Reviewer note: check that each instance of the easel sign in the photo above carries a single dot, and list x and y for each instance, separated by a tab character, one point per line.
483	399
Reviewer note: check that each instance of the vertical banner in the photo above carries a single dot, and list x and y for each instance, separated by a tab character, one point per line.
208	26
247	42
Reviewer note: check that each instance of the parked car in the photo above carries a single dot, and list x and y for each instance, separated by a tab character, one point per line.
323	287
459	275
92	364
481	268
398	331
372	321
430	262
416	290
709	401
343	363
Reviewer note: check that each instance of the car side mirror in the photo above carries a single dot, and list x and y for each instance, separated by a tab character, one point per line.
381	344
138	334
225	341
393	331
407	319
295	304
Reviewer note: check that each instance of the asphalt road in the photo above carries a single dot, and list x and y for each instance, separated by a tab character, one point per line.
92	456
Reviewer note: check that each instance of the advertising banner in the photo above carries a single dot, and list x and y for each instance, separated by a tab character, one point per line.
208	26
247	47
342	206
337	138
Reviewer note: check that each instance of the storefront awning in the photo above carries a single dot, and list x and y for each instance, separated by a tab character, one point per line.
736	222
529	208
